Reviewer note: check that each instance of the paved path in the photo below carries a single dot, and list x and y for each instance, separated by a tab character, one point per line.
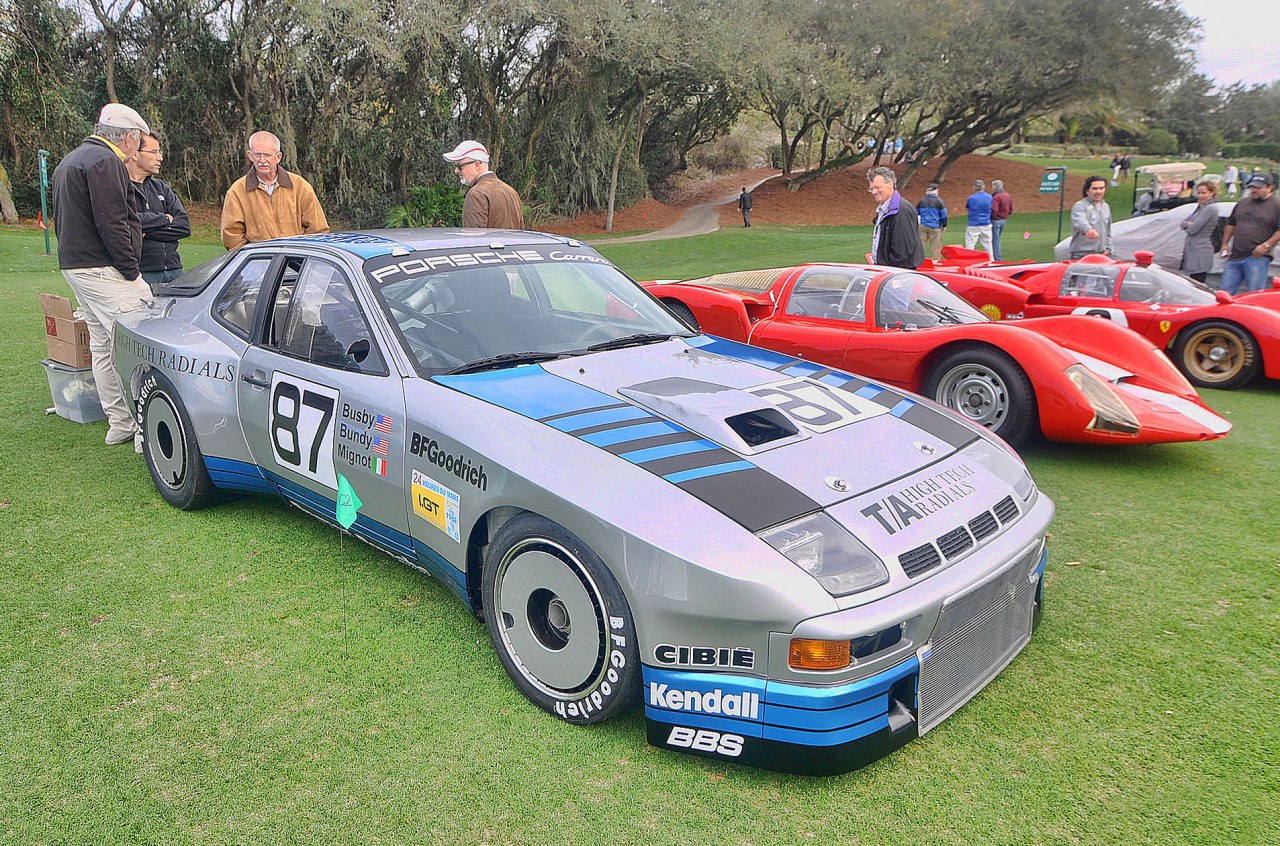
701	219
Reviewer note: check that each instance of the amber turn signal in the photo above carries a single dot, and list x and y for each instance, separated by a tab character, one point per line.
807	654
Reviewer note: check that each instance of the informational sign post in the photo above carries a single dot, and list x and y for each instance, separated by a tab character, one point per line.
1051	183
44	195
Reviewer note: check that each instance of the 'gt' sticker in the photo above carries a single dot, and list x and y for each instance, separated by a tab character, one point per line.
816	406
300	424
436	504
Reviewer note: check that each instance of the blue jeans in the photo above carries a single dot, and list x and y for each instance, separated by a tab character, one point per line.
997	226
1252	271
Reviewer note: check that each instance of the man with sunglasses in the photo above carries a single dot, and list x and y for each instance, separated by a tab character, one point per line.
269	201
164	219
490	203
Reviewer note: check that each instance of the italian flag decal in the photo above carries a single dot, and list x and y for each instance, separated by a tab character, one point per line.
379	466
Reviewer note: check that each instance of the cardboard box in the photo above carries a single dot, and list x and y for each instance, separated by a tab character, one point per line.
67	333
75	395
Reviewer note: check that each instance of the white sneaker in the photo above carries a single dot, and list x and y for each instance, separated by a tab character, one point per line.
120	436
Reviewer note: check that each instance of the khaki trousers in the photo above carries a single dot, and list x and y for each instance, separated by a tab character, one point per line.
932	241
104	295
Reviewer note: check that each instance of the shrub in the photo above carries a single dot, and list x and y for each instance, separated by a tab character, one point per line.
1158	142
723	155
1252	150
429	205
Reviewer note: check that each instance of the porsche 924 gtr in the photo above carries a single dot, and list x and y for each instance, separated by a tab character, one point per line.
790	566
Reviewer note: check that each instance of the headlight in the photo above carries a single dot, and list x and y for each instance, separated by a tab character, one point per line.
825	550
1110	414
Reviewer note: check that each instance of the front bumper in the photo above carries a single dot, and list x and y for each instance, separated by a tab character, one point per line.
830	729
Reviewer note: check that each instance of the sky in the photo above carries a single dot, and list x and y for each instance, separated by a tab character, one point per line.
1241	39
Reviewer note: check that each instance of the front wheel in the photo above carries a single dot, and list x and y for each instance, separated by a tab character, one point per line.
559	622
169	446
988	388
1216	354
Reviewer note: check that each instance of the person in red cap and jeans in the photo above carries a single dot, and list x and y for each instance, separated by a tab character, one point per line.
490	203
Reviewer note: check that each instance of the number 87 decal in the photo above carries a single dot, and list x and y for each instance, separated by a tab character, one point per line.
301	426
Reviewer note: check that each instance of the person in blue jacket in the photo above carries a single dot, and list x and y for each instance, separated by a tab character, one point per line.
933	222
977	232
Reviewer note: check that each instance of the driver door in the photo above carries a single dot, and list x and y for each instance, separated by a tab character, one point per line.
317	400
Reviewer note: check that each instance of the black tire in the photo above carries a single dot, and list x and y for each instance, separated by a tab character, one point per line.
169	445
1217	354
986	387
683	312
559	622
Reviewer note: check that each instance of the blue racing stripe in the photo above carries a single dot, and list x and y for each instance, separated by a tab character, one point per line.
682	448
902	407
631	433
869	391
713	470
595	418
528	390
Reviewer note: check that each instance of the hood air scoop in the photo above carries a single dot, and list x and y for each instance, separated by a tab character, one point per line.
731	417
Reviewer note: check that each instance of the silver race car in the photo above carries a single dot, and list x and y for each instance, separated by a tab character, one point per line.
791	566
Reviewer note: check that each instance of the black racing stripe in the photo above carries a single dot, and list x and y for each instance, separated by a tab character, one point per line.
653	441
887	398
818	374
788	365
853	385
752	497
689	461
582	411
617	424
941	426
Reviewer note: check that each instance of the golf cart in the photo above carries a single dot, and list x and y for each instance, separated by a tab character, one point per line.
1167	186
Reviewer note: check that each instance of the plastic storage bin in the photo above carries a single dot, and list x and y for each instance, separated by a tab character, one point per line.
75	396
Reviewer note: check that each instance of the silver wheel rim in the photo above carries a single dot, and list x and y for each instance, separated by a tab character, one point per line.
977	392
166	441
550	617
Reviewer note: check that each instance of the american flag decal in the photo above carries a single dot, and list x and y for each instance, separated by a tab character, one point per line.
381	446
383	424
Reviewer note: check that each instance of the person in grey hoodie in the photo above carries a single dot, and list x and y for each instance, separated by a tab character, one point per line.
1197	252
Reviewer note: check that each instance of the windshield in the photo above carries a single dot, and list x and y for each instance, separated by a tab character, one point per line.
1157	285
527	305
914	300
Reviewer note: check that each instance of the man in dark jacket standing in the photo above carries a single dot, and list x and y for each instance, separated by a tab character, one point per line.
744	204
100	245
896	239
164	219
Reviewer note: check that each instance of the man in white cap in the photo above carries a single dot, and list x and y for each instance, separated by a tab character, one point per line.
491	203
100	246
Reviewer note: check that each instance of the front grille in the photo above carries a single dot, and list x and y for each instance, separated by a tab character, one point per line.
918	560
1006	509
955	542
984	525
976	637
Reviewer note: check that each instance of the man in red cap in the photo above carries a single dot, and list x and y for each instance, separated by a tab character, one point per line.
100	246
491	203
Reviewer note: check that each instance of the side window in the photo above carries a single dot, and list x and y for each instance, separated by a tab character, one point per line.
1085	281
818	294
236	303
316	319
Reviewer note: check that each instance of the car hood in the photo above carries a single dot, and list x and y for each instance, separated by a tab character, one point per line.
759	436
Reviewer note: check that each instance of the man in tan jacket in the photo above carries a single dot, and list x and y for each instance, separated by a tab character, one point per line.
491	203
269	202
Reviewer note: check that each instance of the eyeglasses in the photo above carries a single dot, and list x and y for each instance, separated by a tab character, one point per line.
460	165
156	151
262	157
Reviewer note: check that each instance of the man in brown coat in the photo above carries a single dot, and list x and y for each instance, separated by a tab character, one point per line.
491	203
269	201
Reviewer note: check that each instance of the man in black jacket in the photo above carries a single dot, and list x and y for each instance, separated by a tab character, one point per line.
164	219
896	239
100	246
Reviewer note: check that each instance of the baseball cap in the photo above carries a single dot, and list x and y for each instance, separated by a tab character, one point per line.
1259	179
471	151
120	116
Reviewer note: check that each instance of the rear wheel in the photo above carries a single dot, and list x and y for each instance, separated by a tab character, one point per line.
559	622
169	446
683	312
988	388
1216	354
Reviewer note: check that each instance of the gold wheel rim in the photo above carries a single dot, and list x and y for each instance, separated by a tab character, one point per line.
1214	355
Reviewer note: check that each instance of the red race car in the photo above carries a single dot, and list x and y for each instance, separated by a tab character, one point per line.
1216	340
1072	379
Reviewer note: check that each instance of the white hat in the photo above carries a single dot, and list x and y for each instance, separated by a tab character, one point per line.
121	116
472	151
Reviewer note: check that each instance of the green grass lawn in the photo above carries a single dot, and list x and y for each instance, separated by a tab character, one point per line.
243	674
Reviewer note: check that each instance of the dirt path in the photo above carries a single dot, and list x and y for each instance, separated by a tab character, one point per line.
698	220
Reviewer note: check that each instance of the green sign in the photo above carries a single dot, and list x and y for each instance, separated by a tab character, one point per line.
1051	182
